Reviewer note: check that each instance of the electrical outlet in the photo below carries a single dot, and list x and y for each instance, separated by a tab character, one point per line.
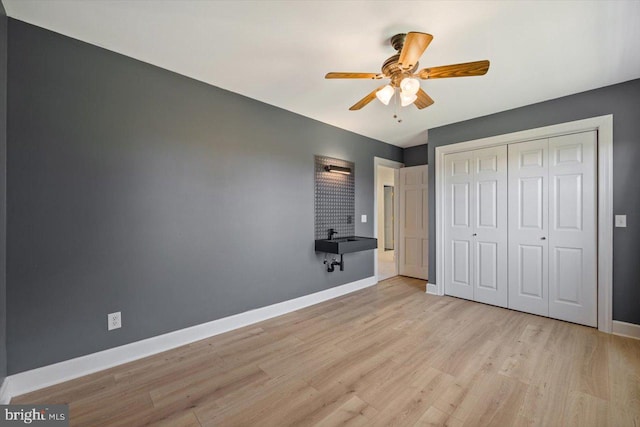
363	218
114	320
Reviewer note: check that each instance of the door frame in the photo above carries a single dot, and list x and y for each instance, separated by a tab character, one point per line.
604	126
379	161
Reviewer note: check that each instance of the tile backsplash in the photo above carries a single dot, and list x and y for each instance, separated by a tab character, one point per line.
334	198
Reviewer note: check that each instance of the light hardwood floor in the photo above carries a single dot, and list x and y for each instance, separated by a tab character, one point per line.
386	264
386	355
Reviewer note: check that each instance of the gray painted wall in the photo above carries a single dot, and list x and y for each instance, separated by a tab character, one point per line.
3	192
416	155
134	189
621	100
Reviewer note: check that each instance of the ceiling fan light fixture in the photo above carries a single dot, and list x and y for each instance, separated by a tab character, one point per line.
385	94
410	86
402	70
407	99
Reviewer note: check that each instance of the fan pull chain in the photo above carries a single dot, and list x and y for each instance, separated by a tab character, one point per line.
395	106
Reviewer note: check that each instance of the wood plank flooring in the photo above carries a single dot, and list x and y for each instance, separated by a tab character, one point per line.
386	355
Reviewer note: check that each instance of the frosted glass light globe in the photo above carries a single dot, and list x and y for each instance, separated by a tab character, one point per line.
385	94
407	99
410	86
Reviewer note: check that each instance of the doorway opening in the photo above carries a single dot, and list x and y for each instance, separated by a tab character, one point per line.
386	217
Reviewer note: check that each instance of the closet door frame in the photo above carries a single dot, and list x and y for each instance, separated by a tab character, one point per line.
604	127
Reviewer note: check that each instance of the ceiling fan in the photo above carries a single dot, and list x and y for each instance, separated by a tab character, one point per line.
401	69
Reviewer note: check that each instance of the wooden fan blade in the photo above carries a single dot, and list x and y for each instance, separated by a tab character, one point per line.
423	100
477	68
367	99
353	76
414	46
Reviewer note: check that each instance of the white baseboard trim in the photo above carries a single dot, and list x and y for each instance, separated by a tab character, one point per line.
25	382
626	329
5	398
432	289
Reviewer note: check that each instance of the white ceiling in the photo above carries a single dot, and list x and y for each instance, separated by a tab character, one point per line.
279	51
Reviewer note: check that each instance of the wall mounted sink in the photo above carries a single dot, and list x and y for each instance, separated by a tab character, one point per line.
344	245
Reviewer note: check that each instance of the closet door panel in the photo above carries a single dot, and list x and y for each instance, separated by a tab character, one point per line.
528	227
490	226
573	228
487	261
532	267
459	199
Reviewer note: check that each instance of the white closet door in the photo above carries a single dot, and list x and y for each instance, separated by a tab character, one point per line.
529	227
414	222
572	237
489	250
459	221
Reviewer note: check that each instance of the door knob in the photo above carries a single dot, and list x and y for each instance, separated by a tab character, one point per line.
543	238
475	234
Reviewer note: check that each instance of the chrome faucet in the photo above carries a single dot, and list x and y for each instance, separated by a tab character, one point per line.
332	231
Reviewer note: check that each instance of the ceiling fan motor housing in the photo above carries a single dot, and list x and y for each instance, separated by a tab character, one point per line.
392	70
390	67
397	41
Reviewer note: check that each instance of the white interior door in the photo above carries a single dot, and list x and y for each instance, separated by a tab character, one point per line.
529	227
413	243
489	251
573	228
459	220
